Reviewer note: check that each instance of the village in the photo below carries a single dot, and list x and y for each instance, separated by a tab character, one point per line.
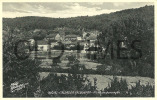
77	45
85	40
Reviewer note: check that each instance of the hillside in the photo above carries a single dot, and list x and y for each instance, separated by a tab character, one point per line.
94	22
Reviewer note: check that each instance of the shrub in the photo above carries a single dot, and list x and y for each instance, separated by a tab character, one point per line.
121	86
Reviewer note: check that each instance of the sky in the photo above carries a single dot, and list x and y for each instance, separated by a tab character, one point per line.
65	9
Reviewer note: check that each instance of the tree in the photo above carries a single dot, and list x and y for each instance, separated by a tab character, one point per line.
74	64
18	70
131	28
39	34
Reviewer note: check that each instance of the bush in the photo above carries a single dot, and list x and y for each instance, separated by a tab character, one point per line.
121	86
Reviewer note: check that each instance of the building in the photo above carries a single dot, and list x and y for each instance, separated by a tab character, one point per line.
58	37
70	44
32	42
90	41
42	45
79	38
71	37
51	36
54	44
37	30
92	37
87	34
62	35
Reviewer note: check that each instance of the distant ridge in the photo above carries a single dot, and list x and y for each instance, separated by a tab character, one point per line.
87	22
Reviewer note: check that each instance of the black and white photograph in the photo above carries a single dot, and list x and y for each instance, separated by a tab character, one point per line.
78	49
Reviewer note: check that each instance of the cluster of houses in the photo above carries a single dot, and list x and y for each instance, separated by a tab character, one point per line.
87	39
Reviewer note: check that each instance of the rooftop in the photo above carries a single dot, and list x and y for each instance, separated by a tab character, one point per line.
51	35
42	42
67	36
37	30
92	37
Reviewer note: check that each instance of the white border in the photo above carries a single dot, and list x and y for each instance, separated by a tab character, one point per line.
89	98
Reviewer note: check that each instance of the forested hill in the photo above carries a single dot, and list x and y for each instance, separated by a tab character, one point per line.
98	22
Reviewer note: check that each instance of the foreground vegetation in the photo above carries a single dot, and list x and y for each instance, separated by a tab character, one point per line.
75	83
